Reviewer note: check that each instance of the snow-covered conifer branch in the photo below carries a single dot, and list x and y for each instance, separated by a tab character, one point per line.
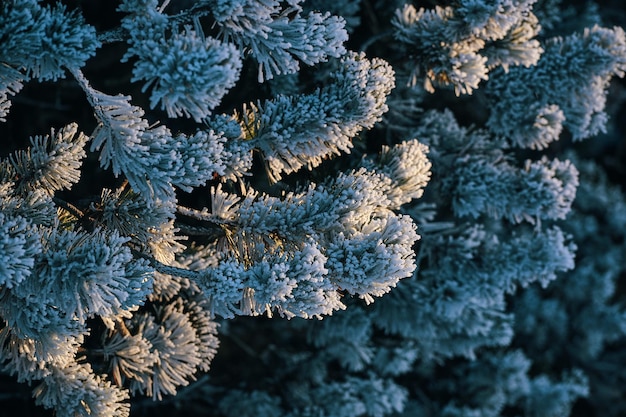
74	389
119	137
353	241
42	41
52	162
187	73
19	245
463	286
150	226
10	84
82	275
116	273
39	42
151	158
277	36
482	179
458	45
567	88
408	168
168	343
550	189
299	131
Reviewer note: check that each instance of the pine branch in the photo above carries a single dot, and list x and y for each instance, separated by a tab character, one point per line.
120	34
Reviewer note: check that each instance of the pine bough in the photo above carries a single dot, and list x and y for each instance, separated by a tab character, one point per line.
110	298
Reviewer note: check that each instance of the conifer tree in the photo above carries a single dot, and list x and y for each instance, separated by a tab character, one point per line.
305	208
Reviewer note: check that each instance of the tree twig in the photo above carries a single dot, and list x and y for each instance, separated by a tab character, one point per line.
72	209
